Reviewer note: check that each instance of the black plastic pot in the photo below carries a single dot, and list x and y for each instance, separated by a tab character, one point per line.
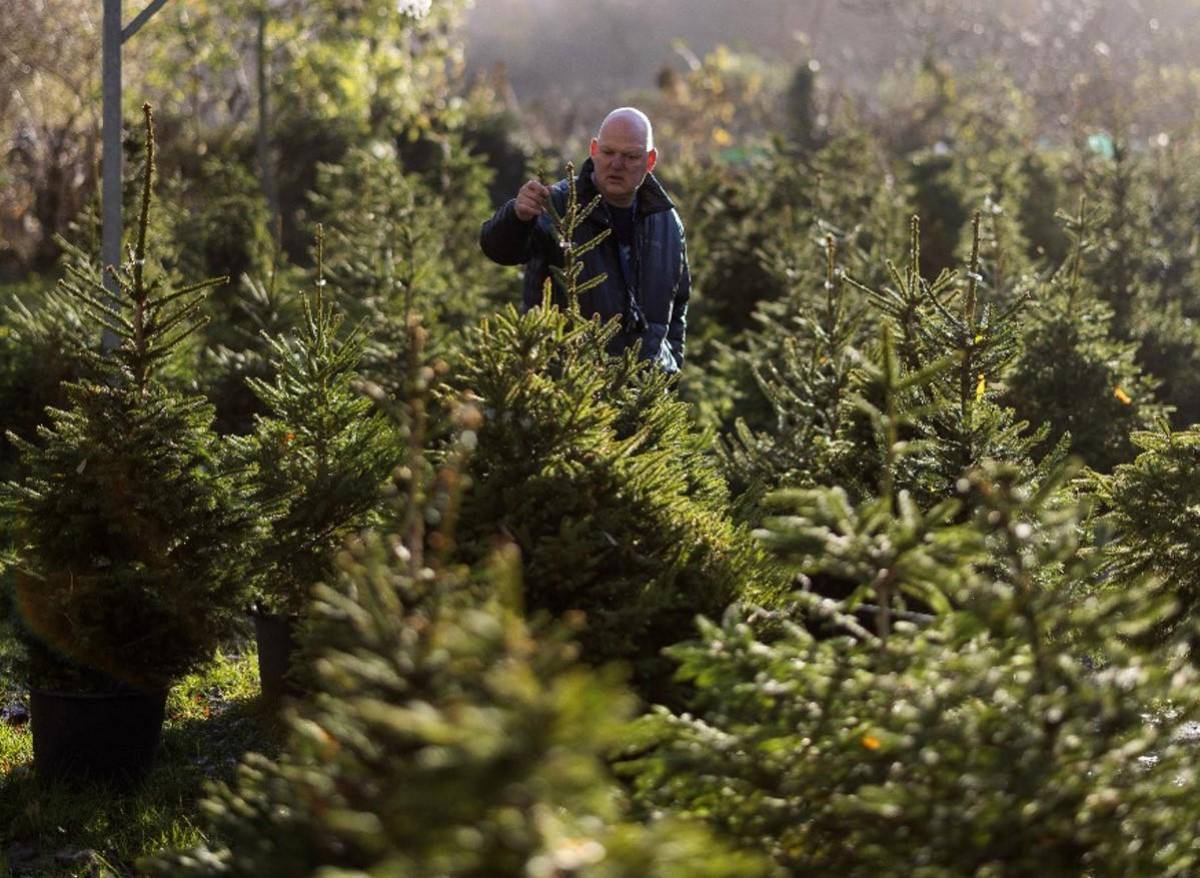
106	739
276	637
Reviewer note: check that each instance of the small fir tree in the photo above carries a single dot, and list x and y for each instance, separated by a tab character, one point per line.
1135	262
322	450
1072	374
566	227
45	333
888	531
598	475
446	739
941	199
752	280
963	350
806	382
400	247
1167	326
132	531
1117	185
941	361
1147	520
220	223
266	310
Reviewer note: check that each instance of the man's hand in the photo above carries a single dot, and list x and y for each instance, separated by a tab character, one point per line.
531	201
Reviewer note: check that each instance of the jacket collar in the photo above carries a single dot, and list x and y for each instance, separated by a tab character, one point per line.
651	197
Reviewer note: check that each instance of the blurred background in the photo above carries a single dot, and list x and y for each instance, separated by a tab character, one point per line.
522	76
1065	56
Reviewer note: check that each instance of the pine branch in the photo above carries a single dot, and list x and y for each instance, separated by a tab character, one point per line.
566	226
167	298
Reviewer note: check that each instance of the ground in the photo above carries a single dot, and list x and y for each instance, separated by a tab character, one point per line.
212	719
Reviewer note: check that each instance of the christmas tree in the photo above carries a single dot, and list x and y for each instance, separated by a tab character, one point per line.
404	245
1146	521
596	472
1072	373
133	535
322	451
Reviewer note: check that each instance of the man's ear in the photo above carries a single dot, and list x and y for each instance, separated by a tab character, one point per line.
592	149
651	159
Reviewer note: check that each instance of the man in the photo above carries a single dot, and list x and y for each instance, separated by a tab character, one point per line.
644	259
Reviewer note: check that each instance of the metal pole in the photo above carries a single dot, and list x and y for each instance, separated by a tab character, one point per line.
110	248
264	124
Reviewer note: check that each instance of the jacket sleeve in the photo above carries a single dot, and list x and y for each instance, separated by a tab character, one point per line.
507	239
679	304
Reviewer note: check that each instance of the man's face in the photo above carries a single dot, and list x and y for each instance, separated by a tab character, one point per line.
621	160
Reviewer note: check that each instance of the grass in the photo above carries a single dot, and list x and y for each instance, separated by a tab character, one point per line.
212	719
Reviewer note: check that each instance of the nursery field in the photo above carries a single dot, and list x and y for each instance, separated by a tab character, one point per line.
864	544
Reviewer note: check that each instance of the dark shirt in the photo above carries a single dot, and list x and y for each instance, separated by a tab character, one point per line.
622	232
622	223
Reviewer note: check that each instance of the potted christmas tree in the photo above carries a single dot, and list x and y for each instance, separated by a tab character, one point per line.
129	528
322	453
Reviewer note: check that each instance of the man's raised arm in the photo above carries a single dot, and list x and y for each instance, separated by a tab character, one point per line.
506	238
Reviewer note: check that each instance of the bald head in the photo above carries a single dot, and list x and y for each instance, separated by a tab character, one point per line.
632	120
622	154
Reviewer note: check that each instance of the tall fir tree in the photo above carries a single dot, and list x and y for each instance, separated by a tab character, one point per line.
133	531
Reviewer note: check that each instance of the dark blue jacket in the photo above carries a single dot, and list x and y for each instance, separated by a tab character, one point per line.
660	264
